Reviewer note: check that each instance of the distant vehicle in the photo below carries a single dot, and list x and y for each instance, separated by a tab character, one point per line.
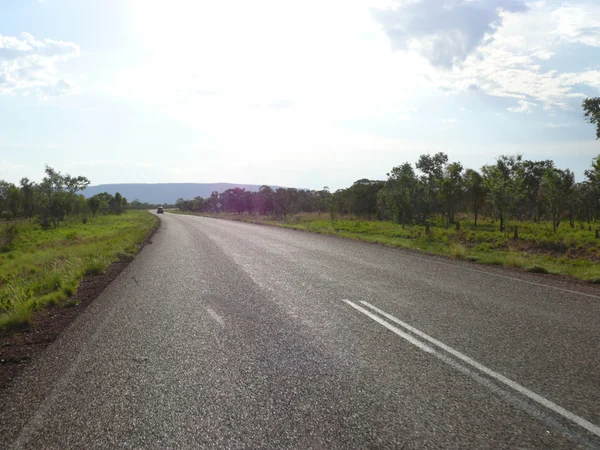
160	210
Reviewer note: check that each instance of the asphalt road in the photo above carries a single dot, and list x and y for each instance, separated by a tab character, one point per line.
225	334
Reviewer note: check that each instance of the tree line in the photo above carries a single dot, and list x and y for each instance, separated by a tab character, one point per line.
434	187
54	199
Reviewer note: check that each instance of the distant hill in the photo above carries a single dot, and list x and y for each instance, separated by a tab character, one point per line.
165	192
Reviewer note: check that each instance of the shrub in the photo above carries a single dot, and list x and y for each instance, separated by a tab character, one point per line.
458	250
537	269
94	267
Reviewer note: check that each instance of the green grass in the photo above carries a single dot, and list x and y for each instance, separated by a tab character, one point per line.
570	251
44	267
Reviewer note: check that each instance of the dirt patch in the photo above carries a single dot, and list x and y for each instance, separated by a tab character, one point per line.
18	349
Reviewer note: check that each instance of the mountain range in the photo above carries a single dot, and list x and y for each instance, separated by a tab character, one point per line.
166	193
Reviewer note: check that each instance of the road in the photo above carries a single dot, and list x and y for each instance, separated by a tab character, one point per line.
226	334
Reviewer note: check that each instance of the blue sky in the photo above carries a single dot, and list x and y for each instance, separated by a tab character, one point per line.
303	94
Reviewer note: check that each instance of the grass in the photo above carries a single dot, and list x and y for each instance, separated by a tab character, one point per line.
570	251
44	267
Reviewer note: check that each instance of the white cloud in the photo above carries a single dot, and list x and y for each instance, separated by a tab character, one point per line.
444	31
450	120
28	66
524	107
497	47
578	23
509	64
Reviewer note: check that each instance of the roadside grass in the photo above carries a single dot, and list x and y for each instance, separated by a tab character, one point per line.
570	251
43	267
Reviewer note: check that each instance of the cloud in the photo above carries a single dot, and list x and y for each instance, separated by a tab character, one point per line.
524	107
445	32
28	65
578	23
449	120
517	60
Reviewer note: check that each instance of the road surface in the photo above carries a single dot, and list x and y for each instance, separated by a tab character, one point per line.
226	334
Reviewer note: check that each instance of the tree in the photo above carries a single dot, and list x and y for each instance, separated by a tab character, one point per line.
453	188
432	168
264	202
28	197
13	196
135	204
4	188
117	204
281	202
57	193
591	106
399	193
532	174
475	191
363	197
324	199
557	188
94	204
504	184
593	176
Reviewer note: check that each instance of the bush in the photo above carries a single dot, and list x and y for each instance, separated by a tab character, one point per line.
537	269
96	267
458	251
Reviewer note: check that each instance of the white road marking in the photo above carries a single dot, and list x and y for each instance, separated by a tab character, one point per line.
594	429
215	316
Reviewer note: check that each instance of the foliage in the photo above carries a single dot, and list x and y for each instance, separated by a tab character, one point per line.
56	195
591	107
45	266
433	190
504	183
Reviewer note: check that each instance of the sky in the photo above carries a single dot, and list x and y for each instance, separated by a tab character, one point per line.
304	94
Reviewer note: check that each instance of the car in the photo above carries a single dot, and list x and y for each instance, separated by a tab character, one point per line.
160	210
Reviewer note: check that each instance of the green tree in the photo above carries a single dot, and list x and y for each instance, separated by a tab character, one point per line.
532	175
4	189
264	202
453	188
504	184
432	169
13	196
557	189
94	204
475	191
28	197
57	193
117	204
593	176
398	196
591	107
363	197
